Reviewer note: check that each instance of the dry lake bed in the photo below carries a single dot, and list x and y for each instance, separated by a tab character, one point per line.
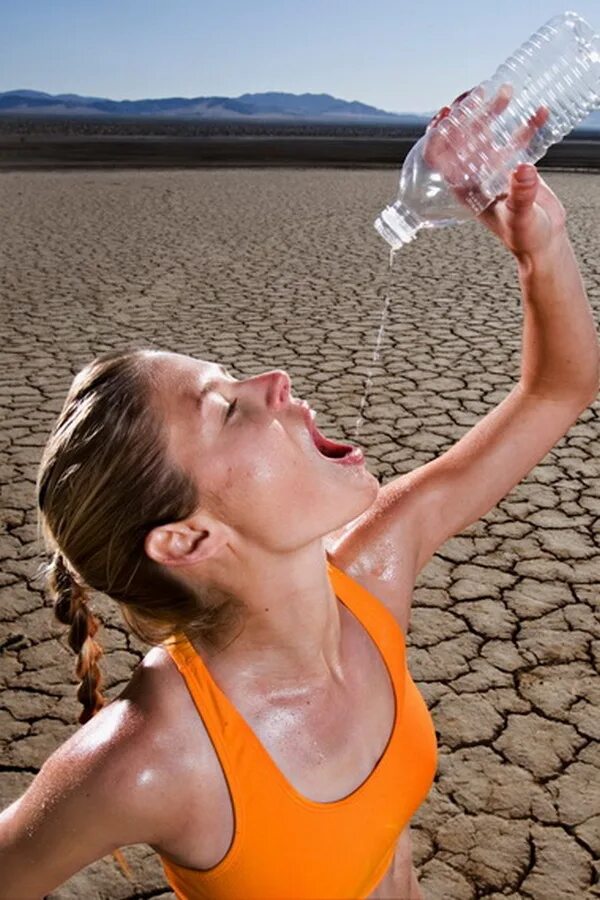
264	269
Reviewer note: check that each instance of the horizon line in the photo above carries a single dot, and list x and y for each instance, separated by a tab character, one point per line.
205	96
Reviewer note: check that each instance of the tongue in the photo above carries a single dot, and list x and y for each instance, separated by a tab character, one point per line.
328	448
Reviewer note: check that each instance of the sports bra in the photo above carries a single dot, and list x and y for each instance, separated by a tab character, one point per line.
285	845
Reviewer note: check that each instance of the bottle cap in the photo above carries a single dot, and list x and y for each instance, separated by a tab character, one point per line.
398	225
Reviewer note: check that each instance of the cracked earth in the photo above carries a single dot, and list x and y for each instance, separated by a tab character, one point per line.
261	269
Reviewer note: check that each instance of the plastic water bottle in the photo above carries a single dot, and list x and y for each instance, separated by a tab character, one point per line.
558	69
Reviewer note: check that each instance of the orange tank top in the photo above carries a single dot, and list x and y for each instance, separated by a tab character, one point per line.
285	845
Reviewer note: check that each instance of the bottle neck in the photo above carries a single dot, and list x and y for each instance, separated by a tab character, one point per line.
398	224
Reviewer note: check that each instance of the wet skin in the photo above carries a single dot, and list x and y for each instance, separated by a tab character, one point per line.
268	498
271	502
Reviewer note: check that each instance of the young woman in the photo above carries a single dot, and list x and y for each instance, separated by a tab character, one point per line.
272	743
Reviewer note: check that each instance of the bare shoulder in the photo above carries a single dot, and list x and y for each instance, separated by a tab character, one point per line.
138	745
176	758
137	753
380	548
157	708
172	733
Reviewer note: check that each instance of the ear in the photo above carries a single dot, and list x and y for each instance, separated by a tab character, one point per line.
185	543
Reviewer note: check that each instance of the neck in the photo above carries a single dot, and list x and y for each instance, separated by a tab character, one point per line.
292	631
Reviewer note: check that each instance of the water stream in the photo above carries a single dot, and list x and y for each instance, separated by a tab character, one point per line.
377	350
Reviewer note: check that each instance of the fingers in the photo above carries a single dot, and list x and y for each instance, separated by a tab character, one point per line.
525	174
470	128
462	96
493	107
523	188
477	92
441	114
525	133
472	107
468	105
499	103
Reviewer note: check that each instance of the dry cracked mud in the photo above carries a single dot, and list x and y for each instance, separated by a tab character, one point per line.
261	269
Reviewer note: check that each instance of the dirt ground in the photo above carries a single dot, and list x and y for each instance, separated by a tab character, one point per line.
282	269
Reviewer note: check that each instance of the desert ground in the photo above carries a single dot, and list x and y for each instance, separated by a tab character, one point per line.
263	269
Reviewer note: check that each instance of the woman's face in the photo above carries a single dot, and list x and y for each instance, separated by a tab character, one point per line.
248	446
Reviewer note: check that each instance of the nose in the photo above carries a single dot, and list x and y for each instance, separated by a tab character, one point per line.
271	389
279	388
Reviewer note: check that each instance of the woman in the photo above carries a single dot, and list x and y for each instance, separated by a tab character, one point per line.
271	743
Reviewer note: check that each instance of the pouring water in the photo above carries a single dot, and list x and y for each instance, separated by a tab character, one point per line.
376	351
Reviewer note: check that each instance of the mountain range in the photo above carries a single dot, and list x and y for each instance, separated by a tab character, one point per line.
270	105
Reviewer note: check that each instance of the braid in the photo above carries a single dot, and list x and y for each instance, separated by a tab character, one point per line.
70	608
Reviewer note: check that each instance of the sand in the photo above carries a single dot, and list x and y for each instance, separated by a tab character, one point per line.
282	269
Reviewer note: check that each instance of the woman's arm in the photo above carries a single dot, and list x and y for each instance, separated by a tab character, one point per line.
421	510
86	801
61	824
560	354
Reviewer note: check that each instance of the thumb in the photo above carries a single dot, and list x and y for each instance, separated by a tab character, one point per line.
523	187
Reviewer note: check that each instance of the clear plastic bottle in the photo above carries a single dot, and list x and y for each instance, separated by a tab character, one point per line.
557	68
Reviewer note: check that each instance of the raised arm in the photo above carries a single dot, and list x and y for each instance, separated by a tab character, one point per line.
560	367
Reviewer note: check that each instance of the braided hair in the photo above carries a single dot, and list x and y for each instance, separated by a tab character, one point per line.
70	608
105	481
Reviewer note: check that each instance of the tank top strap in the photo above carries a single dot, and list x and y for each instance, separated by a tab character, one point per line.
218	714
223	723
179	649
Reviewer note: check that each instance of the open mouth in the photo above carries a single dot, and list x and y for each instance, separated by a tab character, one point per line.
334	450
328	448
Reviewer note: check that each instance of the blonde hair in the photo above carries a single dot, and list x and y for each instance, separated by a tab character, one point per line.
105	481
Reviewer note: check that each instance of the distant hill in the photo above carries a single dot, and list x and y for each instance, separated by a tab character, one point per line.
270	105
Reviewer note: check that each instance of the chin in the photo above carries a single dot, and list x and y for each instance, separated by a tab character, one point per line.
368	496
338	531
375	488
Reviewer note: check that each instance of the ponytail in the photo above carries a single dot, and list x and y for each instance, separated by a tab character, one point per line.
71	608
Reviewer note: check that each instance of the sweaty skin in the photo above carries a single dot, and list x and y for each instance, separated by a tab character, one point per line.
268	499
260	537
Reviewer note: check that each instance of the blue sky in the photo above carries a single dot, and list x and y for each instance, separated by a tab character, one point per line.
411	57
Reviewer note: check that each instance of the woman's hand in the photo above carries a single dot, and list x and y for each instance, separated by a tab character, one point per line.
529	217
